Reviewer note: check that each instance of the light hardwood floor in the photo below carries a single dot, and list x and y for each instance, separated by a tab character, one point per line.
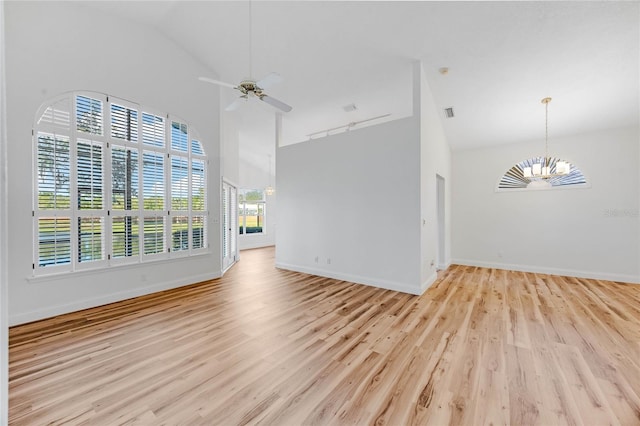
265	346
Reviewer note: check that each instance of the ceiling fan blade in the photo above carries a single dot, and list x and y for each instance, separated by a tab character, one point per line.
276	103
236	104
218	82
269	80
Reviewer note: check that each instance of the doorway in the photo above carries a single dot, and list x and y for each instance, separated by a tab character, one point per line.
229	225
441	222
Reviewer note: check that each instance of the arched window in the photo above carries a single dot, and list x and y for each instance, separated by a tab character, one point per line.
520	176
114	183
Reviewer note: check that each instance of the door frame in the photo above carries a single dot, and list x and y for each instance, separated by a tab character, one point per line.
228	224
441	221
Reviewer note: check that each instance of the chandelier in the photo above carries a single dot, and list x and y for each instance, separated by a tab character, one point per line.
270	190
545	169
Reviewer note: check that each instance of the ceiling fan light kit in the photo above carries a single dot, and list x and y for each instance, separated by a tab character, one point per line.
252	88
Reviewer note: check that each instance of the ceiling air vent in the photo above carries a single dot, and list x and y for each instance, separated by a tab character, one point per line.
350	107
448	112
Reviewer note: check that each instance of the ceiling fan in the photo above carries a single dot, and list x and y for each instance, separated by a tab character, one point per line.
249	87
252	88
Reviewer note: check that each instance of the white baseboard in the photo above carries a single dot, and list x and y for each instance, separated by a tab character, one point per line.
374	282
78	305
551	271
428	282
258	243
443	266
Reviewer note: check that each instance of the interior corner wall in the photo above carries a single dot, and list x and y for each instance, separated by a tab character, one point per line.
435	160
4	201
590	232
230	148
55	47
349	205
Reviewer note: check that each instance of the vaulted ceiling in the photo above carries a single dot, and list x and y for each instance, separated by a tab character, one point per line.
503	58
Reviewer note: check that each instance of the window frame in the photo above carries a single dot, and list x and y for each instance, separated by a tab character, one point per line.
53	213
513	179
242	216
67	126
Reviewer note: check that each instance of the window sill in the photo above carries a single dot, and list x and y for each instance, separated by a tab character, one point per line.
55	276
586	185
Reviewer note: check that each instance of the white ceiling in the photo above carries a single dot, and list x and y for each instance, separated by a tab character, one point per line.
504	57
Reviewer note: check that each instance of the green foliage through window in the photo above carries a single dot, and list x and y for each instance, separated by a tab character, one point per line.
114	183
251	211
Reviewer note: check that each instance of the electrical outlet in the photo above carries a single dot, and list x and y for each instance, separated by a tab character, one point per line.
316	259
328	261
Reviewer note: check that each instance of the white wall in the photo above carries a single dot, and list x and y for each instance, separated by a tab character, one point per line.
592	233
55	47
435	159
362	205
353	199
230	148
4	201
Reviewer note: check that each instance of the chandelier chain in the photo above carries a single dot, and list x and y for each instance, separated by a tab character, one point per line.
546	101
546	131
541	170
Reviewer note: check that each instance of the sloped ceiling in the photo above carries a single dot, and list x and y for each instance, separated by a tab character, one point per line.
503	58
